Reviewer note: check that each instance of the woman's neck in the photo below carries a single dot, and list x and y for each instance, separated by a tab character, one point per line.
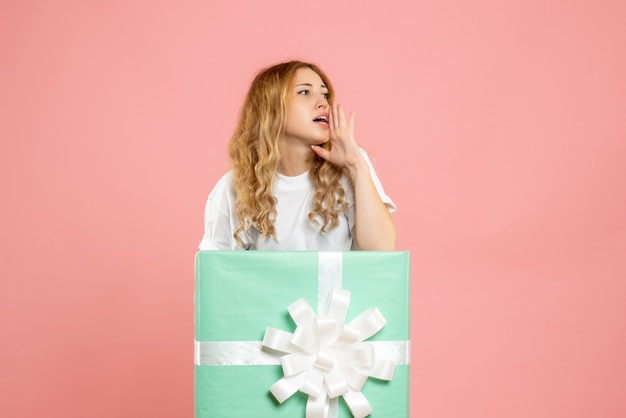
295	161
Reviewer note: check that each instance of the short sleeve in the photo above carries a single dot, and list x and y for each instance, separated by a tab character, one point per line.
379	187
218	217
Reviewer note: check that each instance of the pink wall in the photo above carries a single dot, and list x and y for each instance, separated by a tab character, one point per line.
497	126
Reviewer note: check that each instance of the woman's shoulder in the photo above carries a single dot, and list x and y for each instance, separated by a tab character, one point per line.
224	188
226	181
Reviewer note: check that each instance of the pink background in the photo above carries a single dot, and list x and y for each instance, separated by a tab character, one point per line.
497	126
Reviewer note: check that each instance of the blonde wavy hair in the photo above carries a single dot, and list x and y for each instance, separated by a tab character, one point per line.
255	152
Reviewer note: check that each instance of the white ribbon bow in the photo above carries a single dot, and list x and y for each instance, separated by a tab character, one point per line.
328	358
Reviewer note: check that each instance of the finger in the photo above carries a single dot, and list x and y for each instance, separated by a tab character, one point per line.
331	125
341	116
351	120
335	115
324	153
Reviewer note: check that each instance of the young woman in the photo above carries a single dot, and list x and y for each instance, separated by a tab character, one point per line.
299	180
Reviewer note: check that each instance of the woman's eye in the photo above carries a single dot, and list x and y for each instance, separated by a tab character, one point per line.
326	96
303	92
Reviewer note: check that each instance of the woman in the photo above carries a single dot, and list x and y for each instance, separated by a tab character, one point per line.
299	179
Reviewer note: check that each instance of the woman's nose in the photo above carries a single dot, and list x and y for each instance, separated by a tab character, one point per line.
322	103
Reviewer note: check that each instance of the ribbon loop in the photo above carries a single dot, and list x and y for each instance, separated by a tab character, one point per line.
325	361
317	406
339	304
361	354
302	313
382	369
368	323
327	329
358	404
336	383
295	363
305	339
277	339
348	335
287	386
313	383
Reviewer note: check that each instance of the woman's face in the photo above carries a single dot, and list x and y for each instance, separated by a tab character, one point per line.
307	110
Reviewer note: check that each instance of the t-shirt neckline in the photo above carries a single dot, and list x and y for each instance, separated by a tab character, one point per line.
299	182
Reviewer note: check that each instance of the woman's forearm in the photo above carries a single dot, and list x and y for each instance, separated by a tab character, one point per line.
374	228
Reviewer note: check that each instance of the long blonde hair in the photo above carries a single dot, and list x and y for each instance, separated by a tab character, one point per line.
255	151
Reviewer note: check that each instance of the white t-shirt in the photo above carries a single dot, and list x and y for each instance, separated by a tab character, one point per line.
294	230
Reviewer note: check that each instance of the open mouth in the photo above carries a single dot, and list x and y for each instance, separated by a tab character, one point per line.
323	119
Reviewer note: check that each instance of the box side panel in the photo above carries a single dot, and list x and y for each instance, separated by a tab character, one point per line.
380	279
240	293
243	391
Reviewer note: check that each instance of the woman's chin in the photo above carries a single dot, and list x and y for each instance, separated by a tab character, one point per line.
322	141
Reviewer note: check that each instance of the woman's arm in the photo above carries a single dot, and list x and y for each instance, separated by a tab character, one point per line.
374	228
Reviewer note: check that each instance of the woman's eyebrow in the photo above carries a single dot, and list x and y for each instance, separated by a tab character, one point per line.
310	85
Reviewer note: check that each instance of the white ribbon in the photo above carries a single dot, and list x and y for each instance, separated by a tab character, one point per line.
251	353
327	358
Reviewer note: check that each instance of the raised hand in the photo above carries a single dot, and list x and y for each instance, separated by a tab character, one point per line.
344	150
